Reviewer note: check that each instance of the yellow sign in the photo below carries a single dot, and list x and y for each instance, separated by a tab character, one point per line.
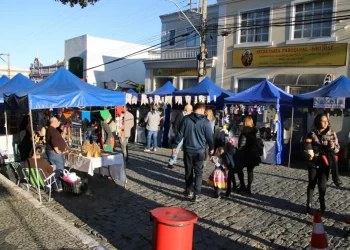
294	56
175	72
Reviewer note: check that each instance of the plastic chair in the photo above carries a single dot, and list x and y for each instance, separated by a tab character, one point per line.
45	182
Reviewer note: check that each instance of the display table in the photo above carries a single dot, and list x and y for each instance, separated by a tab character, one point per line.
111	165
270	151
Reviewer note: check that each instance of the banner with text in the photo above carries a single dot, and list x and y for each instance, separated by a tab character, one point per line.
292	56
329	102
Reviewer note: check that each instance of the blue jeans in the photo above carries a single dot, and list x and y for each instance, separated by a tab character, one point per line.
173	157
58	160
149	136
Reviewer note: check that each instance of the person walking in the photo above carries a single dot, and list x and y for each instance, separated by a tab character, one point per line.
55	148
152	119
124	134
229	161
176	127
210	116
218	179
324	146
248	153
196	133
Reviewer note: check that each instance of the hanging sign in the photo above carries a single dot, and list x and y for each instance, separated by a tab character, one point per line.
329	102
291	56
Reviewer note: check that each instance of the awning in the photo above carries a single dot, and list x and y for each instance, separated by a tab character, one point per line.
302	79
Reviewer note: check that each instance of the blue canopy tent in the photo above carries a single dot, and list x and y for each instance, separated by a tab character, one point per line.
340	87
207	88
3	79
18	83
266	93
63	89
166	90
132	92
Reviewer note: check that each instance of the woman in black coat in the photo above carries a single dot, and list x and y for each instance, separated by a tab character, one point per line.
247	155
321	160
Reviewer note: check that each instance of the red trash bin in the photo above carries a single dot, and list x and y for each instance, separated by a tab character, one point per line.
172	228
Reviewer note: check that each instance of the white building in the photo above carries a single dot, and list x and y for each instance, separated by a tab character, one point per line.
176	60
94	51
13	71
299	45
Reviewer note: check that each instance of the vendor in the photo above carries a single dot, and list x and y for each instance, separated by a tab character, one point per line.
55	148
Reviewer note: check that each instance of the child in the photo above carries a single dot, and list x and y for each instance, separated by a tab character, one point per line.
231	162
217	178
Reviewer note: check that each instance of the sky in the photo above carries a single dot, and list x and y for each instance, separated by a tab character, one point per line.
42	26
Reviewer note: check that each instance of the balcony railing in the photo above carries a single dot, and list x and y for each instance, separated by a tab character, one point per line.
179	53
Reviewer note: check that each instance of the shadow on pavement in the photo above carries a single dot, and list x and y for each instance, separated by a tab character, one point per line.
121	216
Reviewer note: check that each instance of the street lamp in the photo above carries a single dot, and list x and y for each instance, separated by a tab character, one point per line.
8	63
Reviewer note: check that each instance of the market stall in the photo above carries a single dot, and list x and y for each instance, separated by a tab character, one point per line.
18	82
266	93
161	96
206	91
333	96
63	90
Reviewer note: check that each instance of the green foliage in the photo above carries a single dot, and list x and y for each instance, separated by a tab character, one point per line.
140	88
82	3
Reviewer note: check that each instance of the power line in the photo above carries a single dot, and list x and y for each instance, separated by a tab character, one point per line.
284	24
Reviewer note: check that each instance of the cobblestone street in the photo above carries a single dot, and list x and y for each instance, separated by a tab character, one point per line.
22	226
271	218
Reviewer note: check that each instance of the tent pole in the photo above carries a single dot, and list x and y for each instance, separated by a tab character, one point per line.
126	145
34	149
291	136
7	139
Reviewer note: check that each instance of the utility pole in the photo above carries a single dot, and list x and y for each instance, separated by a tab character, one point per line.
202	71
202	56
8	64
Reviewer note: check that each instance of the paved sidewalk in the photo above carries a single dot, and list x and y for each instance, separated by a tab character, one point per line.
271	218
23	226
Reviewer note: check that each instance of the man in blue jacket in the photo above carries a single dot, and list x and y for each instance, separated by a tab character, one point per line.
196	132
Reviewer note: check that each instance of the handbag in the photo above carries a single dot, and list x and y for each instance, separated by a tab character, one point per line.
325	160
69	177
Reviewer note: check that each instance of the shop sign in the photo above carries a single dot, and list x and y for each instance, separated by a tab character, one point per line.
329	102
175	72
291	56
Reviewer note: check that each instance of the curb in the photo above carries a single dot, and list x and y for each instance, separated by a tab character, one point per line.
73	231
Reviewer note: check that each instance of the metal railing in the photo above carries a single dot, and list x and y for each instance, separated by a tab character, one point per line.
179	53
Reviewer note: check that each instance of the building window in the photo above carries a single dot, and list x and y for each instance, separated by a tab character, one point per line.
313	19
255	26
246	83
189	83
192	39
172	37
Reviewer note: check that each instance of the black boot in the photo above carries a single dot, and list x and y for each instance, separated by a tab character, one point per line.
322	204
309	206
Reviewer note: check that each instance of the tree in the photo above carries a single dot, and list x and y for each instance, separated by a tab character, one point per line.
82	3
140	88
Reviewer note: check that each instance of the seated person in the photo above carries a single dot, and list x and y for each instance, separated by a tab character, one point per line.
42	163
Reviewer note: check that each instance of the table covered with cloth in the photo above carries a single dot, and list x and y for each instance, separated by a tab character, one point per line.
107	164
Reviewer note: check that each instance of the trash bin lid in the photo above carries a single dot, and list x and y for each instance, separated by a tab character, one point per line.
173	215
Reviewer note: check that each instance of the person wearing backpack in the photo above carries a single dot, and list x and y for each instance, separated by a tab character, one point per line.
250	148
